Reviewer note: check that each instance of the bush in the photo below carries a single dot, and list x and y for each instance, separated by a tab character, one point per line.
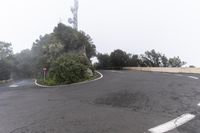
69	69
48	82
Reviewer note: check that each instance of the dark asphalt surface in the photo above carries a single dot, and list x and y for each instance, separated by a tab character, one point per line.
121	102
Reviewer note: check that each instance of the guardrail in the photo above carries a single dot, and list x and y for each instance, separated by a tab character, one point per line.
164	69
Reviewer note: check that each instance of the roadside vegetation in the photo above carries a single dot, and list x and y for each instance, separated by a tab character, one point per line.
119	59
64	57
65	54
5	60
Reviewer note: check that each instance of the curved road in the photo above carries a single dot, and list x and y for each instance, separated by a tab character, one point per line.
120	102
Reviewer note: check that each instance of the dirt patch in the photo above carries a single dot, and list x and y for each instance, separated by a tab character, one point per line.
125	99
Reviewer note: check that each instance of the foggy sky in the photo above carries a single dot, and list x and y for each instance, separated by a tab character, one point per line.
168	26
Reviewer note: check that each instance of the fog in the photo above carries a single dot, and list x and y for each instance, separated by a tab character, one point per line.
171	27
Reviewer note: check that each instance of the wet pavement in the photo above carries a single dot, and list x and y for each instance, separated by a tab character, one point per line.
120	102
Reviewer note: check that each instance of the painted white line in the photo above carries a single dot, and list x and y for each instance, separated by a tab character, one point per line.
172	124
13	86
193	77
44	86
198	104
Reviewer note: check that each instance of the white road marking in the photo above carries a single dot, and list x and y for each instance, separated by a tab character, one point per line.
172	124
198	104
193	77
13	86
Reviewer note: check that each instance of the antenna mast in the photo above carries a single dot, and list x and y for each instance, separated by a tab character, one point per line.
74	11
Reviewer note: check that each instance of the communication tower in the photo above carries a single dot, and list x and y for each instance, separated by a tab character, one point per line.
74	19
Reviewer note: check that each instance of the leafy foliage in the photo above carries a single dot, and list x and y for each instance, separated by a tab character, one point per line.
5	62
69	69
134	61
5	50
74	41
89	46
4	70
176	62
24	63
65	52
165	61
151	59
69	37
104	61
119	58
63	40
45	50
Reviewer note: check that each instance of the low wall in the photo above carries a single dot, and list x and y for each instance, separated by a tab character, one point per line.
165	69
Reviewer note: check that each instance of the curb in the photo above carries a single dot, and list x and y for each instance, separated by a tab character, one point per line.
88	81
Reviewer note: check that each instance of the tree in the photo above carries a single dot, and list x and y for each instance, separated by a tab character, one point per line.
192	66
104	61
64	40
5	50
89	45
5	55
4	70
74	41
44	51
119	58
69	69
69	38
154	59
24	64
151	58
176	62
164	61
134	61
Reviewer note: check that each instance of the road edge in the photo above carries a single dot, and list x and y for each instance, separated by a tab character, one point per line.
84	82
6	81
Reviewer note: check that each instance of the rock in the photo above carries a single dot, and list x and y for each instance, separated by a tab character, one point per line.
90	73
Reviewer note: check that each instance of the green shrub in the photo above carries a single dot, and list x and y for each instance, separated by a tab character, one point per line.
69	68
48	82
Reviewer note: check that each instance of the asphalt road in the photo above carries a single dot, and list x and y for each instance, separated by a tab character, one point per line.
120	102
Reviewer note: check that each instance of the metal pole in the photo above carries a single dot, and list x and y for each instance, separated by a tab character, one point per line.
44	75
74	19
